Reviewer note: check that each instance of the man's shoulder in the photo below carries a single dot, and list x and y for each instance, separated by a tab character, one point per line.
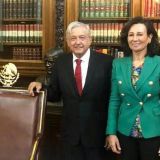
64	57
102	55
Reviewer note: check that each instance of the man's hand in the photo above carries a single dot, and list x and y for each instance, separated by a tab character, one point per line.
34	87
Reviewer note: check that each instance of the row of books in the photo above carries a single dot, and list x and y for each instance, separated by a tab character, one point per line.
110	32
105	32
22	9
115	52
152	8
22	33
104	8
25	53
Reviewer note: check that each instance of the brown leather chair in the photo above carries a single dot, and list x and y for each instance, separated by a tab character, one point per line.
21	123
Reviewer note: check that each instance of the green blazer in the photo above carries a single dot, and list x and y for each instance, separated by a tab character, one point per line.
126	102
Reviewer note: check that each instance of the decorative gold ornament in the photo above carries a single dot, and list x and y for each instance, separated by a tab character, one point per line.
9	75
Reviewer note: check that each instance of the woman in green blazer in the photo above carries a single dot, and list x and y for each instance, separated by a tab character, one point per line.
133	126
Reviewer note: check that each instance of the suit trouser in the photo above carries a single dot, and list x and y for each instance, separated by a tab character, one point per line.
139	148
80	152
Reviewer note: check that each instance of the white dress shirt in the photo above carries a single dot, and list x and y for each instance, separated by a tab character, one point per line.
84	65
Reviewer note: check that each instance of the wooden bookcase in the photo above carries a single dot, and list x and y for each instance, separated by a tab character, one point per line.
27	54
150	9
35	67
137	8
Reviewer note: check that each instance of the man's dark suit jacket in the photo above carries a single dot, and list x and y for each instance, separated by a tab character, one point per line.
84	117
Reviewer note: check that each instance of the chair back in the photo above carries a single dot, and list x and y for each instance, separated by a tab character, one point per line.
21	123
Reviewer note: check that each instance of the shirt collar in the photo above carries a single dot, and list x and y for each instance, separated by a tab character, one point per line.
84	58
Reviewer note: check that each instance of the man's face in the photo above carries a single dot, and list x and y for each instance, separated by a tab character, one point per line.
79	41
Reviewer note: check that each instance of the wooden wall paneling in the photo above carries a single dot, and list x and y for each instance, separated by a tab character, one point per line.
135	8
71	13
49	16
59	35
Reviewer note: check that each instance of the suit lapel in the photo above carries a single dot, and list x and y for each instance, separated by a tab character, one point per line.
148	68
126	73
70	73
90	72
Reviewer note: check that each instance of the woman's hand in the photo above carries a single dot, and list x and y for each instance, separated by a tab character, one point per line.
112	143
34	86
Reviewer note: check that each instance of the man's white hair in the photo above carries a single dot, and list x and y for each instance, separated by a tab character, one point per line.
76	24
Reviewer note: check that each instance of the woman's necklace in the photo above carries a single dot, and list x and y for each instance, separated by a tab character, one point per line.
138	63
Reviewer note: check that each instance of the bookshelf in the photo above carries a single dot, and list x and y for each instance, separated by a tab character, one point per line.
151	9
27	33
105	17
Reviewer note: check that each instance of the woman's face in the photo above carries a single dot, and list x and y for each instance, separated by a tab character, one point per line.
138	38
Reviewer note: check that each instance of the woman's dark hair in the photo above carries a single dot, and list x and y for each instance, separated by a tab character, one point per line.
152	49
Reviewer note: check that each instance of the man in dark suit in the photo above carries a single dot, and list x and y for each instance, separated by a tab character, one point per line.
86	103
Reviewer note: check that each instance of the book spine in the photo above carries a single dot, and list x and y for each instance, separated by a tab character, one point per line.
149	8
158	32
26	9
97	8
112	33
40	33
98	33
95	32
92	9
87	9
22	33
105	32
15	33
31	33
19	33
112	9
102	9
39	9
7	33
145	8
27	33
34	8
121	8
108	8
19	9
10	9
109	32
158	8
126	8
82	9
116	12
101	33
153	5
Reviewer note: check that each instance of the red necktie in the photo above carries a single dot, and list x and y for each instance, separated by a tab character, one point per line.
78	76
